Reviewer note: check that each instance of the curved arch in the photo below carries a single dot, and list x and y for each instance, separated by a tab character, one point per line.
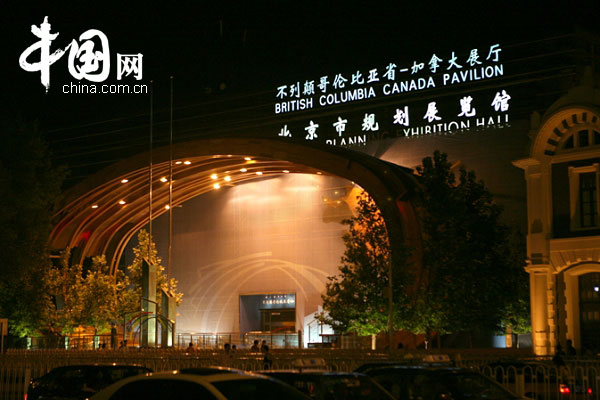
560	124
91	217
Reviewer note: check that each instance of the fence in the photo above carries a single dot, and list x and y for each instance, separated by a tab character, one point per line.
199	341
538	379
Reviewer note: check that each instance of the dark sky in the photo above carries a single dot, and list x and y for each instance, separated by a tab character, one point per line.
223	50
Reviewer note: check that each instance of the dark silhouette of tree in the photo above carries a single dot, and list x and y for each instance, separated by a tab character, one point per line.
471	277
469	259
29	187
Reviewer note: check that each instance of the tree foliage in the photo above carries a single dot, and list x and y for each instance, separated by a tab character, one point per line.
93	298
356	299
472	269
467	255
146	250
29	187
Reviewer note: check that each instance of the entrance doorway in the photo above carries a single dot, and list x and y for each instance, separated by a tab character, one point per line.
278	321
273	313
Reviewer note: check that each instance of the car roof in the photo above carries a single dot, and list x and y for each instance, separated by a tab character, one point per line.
99	366
210	370
310	372
416	368
176	375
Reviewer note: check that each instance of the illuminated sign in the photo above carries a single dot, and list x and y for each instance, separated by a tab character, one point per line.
279	300
464	112
391	80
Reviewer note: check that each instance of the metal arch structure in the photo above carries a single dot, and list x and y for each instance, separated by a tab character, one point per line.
101	214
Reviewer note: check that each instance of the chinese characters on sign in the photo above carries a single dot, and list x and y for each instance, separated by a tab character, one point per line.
88	59
464	116
279	301
450	69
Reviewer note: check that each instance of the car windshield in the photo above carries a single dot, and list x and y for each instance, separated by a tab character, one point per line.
80	381
334	386
419	384
259	389
474	386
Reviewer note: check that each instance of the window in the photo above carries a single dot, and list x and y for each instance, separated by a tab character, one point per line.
582	138
584	204
588	199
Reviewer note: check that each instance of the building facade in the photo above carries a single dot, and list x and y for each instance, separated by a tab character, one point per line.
563	241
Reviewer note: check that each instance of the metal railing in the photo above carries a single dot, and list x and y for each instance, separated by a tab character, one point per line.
535	378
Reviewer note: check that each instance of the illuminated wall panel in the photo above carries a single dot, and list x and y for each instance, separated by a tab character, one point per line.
279	235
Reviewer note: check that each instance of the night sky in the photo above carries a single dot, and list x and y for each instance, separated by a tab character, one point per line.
226	55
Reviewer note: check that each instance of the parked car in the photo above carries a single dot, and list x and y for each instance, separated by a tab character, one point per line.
174	385
210	370
79	381
541	381
323	385
410	382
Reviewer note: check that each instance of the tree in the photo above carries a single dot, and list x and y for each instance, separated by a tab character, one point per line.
92	298
106	299
29	187
63	285
467	256
146	250
471	275
356	300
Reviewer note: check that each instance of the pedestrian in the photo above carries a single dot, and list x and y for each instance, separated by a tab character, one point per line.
263	345
255	346
559	354
191	346
268	358
113	336
571	351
